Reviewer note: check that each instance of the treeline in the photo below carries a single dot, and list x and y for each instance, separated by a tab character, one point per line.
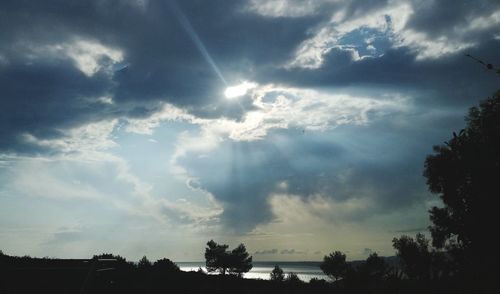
108	273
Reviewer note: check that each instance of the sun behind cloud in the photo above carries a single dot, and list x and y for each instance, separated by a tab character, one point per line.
239	90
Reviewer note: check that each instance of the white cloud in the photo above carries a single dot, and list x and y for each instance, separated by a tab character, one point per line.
392	21
88	56
106	100
90	137
277	108
168	112
285	107
311	52
29	181
284	8
293	209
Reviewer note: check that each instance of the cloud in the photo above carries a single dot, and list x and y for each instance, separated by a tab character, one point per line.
265	252
284	8
348	98
405	23
290	251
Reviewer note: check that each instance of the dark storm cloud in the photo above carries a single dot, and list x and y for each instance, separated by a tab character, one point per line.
451	80
447	17
43	98
161	61
388	171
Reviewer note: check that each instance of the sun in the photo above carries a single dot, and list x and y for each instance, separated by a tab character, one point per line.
238	90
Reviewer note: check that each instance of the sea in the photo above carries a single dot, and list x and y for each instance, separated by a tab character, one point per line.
306	270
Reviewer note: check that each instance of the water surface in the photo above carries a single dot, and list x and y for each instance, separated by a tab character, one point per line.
305	270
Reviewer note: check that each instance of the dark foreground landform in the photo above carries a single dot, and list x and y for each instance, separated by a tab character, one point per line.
111	275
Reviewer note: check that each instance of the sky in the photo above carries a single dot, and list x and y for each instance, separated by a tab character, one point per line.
143	127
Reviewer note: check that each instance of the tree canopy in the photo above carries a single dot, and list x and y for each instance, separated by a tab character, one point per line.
218	258
464	172
414	256
277	274
334	265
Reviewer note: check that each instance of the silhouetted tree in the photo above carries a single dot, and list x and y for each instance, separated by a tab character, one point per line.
375	266
487	66
293	278
465	174
334	265
165	265
118	258
277	274
240	261
236	262
144	263
216	257
414	256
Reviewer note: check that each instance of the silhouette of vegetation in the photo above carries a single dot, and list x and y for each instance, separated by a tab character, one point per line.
293	278
487	66
464	174
335	265
240	261
414	255
375	266
277	274
144	263
108	273
165	265
235	262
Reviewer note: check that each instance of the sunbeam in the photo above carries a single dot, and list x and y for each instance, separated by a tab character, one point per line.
186	25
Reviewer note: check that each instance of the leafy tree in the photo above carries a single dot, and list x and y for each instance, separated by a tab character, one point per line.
216	257
414	256
240	261
236	262
334	265
464	173
277	274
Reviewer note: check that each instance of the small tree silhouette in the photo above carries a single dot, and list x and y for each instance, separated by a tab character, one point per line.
144	263
216	257
240	261
165	265
293	278
375	266
277	274
236	262
414	255
334	265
